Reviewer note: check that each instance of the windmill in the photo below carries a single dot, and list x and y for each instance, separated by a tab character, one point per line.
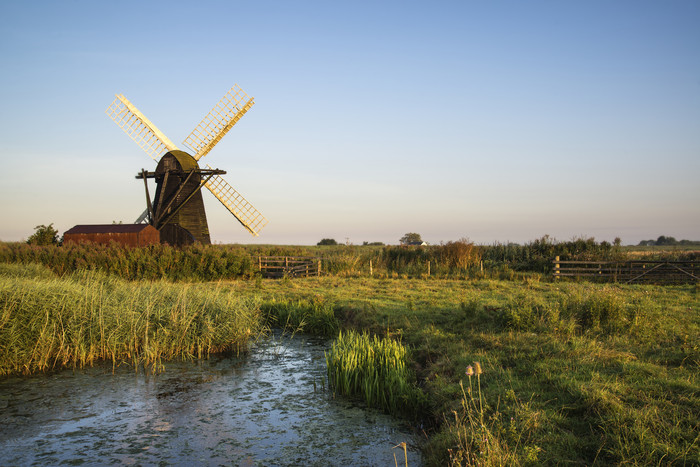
177	209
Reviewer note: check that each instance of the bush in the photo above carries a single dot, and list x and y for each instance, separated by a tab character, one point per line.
459	255
327	241
44	235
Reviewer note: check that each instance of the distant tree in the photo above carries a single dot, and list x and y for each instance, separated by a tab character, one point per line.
372	243
327	241
663	240
409	238
44	235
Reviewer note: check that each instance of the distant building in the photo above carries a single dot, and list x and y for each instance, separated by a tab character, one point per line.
417	243
133	235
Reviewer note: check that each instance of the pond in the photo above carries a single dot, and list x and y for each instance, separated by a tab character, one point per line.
271	407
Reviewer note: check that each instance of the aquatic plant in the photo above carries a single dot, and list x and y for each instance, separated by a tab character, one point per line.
374	369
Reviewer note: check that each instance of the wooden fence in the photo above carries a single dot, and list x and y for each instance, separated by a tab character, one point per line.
629	272
289	266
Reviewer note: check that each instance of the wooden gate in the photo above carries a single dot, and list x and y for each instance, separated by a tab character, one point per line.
289	266
630	272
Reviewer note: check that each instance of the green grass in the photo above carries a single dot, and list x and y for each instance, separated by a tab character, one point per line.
312	316
573	372
49	322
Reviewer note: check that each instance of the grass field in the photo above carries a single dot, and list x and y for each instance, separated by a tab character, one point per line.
573	373
508	372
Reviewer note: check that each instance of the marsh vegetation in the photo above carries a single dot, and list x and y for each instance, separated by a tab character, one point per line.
570	371
49	322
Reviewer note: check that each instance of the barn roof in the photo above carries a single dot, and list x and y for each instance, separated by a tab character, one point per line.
108	228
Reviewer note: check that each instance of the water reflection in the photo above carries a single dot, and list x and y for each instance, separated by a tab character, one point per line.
270	408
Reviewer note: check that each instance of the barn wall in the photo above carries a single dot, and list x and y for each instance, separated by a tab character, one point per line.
148	236
133	239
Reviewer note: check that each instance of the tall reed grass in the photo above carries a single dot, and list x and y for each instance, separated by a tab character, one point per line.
454	259
375	370
537	255
194	263
78	319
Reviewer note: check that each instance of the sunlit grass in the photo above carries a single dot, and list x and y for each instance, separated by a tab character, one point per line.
50	322
574	372
376	370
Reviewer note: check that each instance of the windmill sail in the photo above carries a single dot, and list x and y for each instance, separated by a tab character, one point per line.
139	128
247	215
203	138
218	122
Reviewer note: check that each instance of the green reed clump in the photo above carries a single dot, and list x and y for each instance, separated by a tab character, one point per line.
374	369
75	320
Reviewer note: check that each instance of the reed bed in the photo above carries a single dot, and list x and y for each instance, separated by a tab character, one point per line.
454	259
375	369
195	263
78	319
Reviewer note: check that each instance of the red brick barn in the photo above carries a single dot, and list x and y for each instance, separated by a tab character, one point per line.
125	234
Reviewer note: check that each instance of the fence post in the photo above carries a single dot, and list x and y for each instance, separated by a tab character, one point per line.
259	263
428	268
556	267
370	267
319	267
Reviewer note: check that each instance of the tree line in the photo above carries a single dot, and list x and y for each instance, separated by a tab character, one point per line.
668	241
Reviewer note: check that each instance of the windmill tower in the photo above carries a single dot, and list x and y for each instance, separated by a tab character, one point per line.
177	209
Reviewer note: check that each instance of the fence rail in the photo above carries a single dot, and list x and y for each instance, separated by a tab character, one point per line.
289	266
629	272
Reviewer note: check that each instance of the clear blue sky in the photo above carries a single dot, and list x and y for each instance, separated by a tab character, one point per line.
496	121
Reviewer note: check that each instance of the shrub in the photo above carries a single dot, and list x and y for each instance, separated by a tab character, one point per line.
44	235
459	255
327	241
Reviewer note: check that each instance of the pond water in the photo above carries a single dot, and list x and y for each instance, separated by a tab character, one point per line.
270	407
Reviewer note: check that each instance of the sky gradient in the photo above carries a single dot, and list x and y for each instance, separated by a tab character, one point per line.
495	121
